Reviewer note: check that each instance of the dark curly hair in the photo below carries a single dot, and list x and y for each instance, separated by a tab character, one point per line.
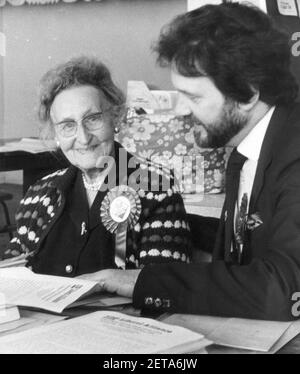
76	72
237	46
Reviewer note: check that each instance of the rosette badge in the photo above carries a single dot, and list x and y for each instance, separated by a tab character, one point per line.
121	208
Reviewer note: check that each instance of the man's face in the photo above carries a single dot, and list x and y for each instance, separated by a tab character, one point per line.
216	119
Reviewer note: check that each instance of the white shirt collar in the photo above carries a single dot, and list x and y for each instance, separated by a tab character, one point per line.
250	146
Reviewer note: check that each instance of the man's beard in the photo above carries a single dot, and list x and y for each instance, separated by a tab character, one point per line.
218	134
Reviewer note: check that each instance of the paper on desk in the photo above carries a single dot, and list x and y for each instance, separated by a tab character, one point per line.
102	300
104	332
201	324
29	319
234	332
249	334
8	313
22	287
13	326
292	331
44	318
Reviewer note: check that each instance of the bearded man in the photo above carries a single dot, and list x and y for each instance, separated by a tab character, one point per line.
230	66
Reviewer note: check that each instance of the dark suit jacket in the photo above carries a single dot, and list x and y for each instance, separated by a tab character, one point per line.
263	285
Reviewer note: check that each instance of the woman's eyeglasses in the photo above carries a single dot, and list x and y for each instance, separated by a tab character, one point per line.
91	122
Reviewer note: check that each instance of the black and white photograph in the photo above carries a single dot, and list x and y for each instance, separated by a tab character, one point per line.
149	180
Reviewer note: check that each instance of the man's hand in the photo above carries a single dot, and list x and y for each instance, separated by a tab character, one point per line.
121	282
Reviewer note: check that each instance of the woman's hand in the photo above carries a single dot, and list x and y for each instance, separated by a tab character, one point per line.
121	282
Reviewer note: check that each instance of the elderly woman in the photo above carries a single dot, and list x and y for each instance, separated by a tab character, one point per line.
94	215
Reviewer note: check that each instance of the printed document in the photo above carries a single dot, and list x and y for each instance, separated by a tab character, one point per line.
20	286
107	333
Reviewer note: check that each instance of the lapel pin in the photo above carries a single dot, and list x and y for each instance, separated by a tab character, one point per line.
253	221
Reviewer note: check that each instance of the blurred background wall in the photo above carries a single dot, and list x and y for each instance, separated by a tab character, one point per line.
120	32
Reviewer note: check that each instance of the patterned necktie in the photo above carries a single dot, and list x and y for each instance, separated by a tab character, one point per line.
234	166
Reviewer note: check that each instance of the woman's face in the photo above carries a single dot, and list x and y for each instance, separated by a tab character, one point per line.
85	109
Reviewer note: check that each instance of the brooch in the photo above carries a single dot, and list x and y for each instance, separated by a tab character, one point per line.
248	222
253	221
245	221
121	208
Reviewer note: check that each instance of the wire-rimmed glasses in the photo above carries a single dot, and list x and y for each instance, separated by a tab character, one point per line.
91	122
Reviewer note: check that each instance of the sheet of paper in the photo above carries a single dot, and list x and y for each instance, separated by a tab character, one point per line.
29	319
8	313
45	318
22	287
298	4
245	334
102	300
13	326
288	335
202	324
103	332
249	334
